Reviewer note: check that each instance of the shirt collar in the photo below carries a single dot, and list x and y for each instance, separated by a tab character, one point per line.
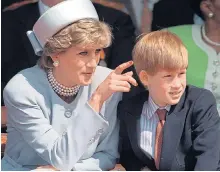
42	7
152	107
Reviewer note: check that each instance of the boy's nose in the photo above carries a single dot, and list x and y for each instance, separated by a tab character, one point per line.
177	83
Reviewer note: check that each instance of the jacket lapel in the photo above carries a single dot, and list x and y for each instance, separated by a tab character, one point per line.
133	110
172	133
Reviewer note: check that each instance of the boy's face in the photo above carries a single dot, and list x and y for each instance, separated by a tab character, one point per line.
165	87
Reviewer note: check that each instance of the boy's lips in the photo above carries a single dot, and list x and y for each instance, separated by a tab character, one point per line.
88	72
175	93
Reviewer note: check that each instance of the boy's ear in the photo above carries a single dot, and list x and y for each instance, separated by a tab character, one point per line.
143	76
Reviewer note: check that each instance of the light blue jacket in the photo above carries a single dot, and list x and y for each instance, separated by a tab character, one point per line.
45	130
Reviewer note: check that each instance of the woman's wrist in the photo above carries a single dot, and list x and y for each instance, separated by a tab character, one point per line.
96	102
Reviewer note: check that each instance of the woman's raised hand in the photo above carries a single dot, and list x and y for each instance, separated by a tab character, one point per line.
115	82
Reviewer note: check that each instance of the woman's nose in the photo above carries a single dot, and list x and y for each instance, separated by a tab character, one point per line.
92	63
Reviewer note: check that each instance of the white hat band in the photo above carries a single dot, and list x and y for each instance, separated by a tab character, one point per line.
57	18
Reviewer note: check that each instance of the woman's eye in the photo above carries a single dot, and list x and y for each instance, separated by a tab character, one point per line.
97	51
83	53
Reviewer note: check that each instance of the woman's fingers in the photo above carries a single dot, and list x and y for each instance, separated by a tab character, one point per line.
122	67
117	88
120	83
130	73
131	79
127	78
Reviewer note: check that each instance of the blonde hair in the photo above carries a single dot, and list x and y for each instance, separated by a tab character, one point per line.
159	50
82	32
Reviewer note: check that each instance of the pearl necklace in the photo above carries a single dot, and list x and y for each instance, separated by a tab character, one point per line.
207	39
59	88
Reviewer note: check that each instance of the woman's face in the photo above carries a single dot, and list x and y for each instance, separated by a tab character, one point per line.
77	65
216	8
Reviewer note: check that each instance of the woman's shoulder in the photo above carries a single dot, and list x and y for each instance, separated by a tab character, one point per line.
27	76
25	82
181	30
184	30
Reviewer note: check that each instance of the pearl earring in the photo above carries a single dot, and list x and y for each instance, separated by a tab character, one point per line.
56	63
210	15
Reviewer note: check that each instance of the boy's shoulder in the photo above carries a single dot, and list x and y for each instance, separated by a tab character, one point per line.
198	102
132	102
193	93
136	94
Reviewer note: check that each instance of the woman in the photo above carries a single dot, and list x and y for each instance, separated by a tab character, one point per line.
203	45
62	112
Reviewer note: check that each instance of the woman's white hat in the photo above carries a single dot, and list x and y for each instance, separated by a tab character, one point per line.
57	18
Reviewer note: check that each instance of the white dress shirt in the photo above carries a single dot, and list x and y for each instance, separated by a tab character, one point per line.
148	126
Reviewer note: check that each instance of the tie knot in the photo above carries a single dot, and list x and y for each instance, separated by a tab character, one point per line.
161	114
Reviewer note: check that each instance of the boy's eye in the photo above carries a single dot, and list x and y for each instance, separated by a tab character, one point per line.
97	51
182	73
84	53
167	76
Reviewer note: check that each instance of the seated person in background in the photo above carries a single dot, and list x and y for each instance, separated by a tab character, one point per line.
154	15
17	53
62	112
203	45
170	126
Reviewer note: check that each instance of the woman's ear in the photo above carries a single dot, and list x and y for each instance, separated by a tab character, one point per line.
207	8
54	58
143	76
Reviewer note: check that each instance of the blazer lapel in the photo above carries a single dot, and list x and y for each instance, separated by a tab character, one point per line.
133	110
172	133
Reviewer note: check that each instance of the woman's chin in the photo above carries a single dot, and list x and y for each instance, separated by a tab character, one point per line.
86	82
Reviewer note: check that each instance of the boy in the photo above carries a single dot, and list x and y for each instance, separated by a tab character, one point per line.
170	126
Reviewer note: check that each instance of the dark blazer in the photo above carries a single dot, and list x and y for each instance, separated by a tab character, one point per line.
191	136
169	13
18	54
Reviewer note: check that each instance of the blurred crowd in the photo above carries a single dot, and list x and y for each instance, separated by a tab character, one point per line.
146	15
196	22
